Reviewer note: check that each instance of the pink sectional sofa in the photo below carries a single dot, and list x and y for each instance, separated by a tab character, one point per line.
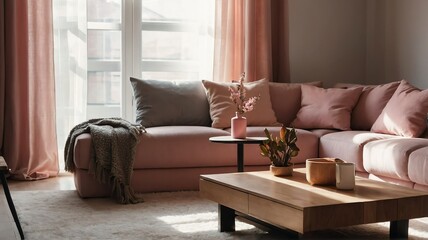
170	157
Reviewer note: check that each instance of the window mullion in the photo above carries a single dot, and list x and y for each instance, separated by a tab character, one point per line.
168	66
103	65
104	26
136	30
169	26
129	16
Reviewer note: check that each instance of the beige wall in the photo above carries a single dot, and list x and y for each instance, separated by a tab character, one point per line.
327	41
355	41
402	44
375	55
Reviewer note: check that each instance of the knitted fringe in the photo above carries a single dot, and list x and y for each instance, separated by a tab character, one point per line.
121	192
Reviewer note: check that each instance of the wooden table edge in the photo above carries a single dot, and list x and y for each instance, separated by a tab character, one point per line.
398	227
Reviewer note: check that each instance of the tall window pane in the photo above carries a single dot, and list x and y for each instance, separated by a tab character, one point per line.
158	45
104	45
104	58
70	35
177	41
103	88
104	10
173	10
97	45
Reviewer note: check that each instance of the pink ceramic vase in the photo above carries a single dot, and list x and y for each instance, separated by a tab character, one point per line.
239	126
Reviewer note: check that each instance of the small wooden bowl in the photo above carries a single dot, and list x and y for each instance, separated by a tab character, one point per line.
321	171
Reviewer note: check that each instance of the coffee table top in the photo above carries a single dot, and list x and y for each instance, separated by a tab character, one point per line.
291	202
297	193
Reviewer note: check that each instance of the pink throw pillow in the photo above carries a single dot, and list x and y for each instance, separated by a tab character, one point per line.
405	113
370	104
286	98
326	108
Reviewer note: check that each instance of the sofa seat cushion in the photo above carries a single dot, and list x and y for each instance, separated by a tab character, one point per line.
348	145
82	151
404	183
390	157
322	132
418	166
182	147
306	141
171	147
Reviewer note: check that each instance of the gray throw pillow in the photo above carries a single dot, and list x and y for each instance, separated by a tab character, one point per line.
163	103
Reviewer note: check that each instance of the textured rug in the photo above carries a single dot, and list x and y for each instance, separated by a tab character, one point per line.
177	215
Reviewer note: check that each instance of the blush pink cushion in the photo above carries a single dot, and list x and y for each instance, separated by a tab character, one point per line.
222	109
390	157
405	113
418	166
286	98
348	145
370	105
326	108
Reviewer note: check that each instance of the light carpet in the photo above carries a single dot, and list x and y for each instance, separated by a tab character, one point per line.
176	215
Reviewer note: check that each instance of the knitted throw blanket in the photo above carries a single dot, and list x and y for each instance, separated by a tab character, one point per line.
114	141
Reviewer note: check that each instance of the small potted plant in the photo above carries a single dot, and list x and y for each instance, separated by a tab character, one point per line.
280	150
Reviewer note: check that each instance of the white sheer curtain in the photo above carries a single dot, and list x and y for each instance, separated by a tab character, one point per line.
70	53
99	44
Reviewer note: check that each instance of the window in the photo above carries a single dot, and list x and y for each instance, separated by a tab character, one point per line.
153	39
168	40
177	41
100	44
104	49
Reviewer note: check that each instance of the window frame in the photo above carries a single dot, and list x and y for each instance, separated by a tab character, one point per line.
131	63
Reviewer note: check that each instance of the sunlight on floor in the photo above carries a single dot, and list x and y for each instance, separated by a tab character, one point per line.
419	230
198	222
416	231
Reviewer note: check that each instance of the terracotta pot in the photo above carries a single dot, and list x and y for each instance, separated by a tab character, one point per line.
281	171
321	171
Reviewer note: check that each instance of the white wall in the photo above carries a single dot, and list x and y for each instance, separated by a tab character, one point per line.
327	41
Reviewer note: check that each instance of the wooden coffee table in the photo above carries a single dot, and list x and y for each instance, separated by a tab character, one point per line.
292	203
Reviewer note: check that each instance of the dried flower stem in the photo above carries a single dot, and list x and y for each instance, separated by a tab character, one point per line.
238	97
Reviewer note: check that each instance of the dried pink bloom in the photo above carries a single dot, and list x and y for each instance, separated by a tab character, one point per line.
238	97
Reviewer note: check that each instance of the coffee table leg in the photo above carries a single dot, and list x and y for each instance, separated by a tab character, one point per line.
399	229
226	219
240	157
